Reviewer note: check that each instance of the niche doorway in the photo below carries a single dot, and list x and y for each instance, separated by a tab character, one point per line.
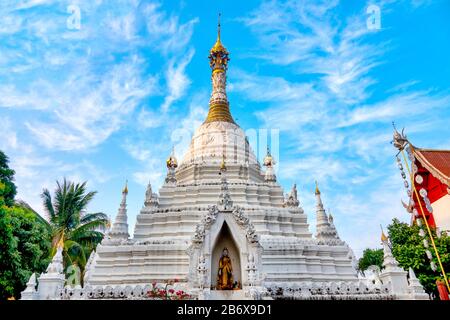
225	245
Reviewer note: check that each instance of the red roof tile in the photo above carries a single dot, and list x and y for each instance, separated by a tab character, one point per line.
435	161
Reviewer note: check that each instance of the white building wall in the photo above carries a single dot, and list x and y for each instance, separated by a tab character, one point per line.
441	213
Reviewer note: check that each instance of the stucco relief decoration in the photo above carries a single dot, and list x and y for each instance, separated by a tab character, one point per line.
251	234
291	199
210	217
239	216
207	221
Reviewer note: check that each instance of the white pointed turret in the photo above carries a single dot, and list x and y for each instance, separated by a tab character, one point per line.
120	227
52	281
325	229
291	199
321	216
414	282
56	265
416	289
392	275
151	199
389	263
30	292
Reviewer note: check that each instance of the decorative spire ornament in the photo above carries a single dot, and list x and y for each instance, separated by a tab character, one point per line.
151	199
218	103
31	284
291	199
119	230
172	164
325	229
56	265
389	261
269	163
414	284
317	191
225	203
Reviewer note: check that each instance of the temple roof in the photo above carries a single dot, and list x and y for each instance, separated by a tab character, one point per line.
435	161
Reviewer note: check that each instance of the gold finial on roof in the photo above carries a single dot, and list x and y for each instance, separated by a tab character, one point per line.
218	103
317	188
384	238
218	27
125	189
172	162
218	46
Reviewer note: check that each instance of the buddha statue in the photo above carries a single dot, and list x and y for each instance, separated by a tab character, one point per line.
225	272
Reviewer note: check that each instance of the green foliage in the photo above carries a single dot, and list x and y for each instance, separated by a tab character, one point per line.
371	257
80	232
9	190
24	248
24	238
408	249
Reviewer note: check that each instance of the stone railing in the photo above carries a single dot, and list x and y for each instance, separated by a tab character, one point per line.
329	291
120	292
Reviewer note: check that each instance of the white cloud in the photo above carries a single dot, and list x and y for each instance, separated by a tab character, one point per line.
7	134
309	38
177	81
87	116
171	35
32	3
72	90
408	103
94	93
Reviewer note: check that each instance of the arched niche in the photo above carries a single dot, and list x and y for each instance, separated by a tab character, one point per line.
206	240
226	240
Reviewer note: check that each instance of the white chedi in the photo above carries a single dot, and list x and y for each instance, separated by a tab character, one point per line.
30	292
56	265
199	212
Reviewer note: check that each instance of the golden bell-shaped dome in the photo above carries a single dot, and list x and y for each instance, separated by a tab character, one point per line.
218	46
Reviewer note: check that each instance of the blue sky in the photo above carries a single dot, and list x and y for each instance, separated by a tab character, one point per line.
105	102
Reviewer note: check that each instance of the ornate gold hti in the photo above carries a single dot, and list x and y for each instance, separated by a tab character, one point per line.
218	104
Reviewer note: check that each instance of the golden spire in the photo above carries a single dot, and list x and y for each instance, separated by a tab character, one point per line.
384	238
125	189
218	46
218	103
317	188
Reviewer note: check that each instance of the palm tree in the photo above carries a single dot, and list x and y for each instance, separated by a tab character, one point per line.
80	232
